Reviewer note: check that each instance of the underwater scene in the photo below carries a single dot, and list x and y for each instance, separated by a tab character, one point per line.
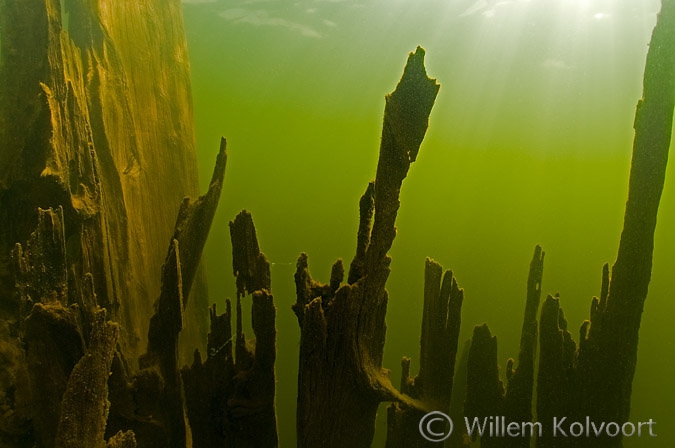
336	223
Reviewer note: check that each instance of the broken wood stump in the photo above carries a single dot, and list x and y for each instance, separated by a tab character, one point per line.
487	398
159	365
230	395
433	386
341	380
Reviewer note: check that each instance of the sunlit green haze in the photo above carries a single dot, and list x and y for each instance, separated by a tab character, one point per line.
529	143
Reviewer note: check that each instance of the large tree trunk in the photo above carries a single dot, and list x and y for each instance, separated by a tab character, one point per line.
98	120
97	156
608	349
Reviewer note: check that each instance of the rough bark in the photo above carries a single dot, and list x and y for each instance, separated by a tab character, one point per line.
341	380
230	402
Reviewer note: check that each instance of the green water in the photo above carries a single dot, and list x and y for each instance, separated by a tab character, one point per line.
529	143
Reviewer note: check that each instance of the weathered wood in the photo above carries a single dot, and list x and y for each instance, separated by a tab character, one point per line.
555	381
251	268
208	384
251	408
484	389
520	387
366	209
608	356
53	346
40	271
307	289
161	359
595	381
488	400
98	151
433	386
96	126
459	437
122	440
90	125
341	380
84	409
230	402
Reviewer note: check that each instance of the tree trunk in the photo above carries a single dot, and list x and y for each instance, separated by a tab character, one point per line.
98	154
341	380
433	386
230	402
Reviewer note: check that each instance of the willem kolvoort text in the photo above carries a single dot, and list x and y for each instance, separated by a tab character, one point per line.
498	426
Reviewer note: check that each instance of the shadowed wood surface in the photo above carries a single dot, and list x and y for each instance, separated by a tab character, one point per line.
230	399
97	316
433	386
341	380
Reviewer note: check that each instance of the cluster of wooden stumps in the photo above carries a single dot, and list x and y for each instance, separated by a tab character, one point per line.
86	363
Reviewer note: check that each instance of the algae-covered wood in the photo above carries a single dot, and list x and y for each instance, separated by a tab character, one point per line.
97	130
103	298
97	119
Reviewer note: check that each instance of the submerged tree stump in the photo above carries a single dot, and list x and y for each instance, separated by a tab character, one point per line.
607	362
97	119
341	380
591	382
433	386
97	156
230	401
595	380
96	314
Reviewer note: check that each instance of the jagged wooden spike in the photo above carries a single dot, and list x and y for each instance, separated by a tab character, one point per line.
433	386
230	399
520	388
343	330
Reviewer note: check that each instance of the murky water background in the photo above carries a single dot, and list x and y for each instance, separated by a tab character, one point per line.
529	143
